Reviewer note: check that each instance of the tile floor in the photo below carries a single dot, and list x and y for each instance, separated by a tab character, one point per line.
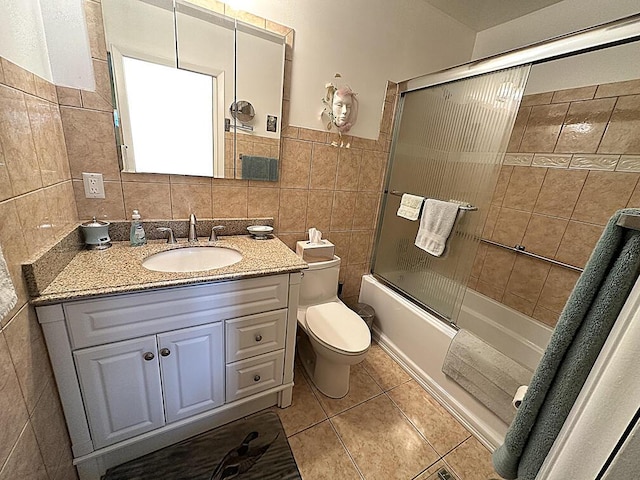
387	427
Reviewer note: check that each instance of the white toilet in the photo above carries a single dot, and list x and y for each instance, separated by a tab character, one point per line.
338	337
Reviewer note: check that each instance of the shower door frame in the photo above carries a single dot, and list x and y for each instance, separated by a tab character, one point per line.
618	32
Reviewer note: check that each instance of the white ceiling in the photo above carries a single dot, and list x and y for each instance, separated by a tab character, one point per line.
482	14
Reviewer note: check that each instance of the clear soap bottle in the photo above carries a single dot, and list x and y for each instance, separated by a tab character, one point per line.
137	235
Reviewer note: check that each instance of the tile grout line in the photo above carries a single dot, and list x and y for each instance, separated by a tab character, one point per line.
335	430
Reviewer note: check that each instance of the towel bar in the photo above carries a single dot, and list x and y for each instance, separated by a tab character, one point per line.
467	207
629	220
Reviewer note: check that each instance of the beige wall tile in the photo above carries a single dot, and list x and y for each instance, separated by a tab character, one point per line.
518	129
14	250
151	178
386	122
343	210
490	221
69	96
59	146
578	243
366	211
528	277
18	77
518	159
229	202
296	164
62	208
556	290
510	227
312	135
584	126
492	291
25	461
382	442
93	16
263	202
46	89
5	182
319	454
13	411
551	160
324	165
518	303
109	208
341	241
349	161
574	94
604	193
100	99
544	234
29	355
478	260
471	461
17	142
35	221
560	191
543	128
187	199
90	139
623	132
616	89
497	267
353	278
359	246
524	186
545	316
501	184
371	171
319	210
290	239
435	423
536	99
634	201
152	200
293	210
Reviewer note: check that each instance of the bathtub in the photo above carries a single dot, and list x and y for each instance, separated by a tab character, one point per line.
419	342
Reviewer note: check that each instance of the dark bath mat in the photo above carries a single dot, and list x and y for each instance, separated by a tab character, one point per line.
253	448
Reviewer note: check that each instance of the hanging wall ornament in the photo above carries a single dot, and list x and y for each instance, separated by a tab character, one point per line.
340	108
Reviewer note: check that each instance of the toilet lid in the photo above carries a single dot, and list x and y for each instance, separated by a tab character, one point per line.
338	327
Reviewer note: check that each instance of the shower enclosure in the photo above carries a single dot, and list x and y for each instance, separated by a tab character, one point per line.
449	144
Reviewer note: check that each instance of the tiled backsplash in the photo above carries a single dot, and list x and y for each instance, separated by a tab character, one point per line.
573	160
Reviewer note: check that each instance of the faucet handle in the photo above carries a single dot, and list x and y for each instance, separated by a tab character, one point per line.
171	237
214	237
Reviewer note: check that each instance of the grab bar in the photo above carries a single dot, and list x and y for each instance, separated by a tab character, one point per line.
463	206
520	249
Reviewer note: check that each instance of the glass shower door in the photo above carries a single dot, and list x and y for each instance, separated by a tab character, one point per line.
449	142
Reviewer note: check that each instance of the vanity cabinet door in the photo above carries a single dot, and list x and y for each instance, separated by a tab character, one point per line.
192	365
121	388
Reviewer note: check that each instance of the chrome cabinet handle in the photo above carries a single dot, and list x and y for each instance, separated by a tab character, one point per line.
165	352
148	356
256	378
258	338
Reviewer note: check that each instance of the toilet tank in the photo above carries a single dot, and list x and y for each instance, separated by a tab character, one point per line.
320	282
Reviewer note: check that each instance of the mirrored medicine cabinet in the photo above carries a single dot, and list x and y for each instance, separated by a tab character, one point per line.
194	90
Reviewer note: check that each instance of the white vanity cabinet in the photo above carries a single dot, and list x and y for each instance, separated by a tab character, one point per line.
140	371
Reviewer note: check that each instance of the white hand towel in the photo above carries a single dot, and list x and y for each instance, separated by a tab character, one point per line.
436	224
410	206
8	296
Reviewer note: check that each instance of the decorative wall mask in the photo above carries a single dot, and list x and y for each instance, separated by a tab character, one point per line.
340	107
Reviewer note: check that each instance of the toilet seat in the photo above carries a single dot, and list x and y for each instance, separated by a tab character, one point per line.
338	328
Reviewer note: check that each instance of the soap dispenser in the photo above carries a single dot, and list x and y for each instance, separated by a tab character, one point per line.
137	235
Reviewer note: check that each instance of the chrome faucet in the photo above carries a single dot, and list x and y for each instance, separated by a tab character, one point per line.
193	236
214	236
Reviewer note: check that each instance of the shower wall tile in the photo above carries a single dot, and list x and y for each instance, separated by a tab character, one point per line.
528	277
518	129
543	128
559	192
574	94
623	132
551	160
559	284
510	226
490	221
577	243
595	162
522	159
543	235
524	186
497	266
628	163
603	193
520	304
618	89
546	316
584	126
537	99
501	184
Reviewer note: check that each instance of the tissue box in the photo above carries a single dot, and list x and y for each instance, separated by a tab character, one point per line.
315	252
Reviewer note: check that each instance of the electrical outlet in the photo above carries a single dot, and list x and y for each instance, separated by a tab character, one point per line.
93	185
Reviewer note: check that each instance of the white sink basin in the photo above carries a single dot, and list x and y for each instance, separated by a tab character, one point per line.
191	259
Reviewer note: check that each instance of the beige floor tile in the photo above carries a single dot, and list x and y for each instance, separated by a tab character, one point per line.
472	461
382	442
430	418
431	473
304	411
361	388
383	369
320	454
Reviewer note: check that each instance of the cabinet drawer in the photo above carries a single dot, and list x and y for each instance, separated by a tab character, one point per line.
254	375
103	320
254	335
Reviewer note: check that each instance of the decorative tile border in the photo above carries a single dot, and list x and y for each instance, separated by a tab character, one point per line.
595	162
551	160
628	163
518	159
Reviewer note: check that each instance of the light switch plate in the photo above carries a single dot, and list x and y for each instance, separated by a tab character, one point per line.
93	185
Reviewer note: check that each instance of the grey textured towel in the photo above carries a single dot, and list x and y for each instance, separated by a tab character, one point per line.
582	329
259	168
484	372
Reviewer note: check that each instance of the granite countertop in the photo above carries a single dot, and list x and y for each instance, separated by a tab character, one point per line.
119	269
